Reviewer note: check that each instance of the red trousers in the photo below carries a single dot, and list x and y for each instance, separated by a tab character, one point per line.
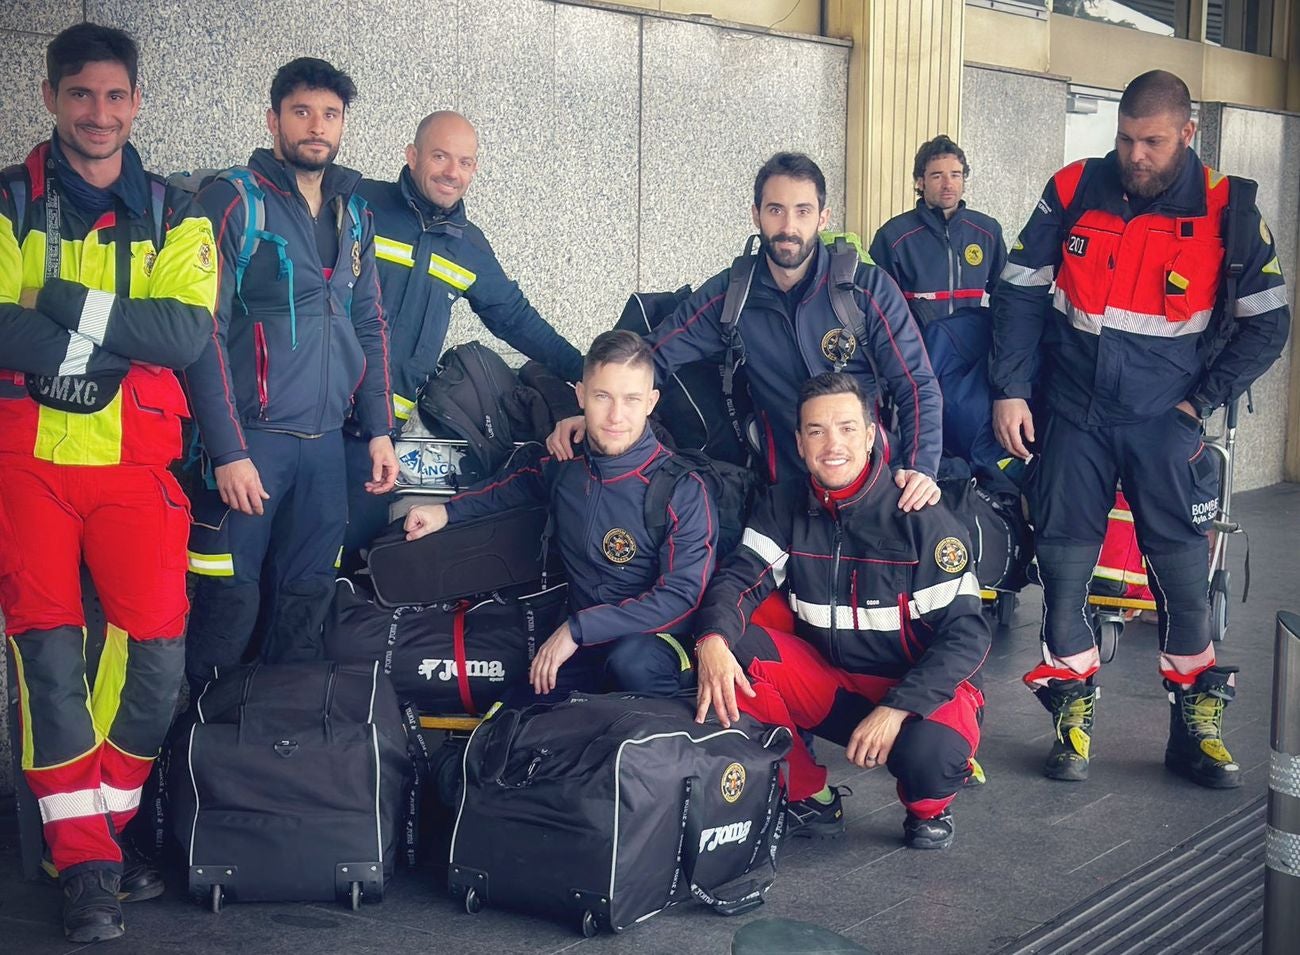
797	688
85	756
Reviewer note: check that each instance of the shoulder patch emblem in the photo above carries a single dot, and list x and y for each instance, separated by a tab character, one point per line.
149	259
951	556
838	345
1264	233
356	259
619	546
974	254
205	256
733	782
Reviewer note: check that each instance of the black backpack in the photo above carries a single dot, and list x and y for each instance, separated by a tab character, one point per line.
476	398
1002	541
731	491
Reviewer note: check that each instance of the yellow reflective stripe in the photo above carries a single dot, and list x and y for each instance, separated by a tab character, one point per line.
338	559
211	565
25	704
1117	515
450	272
65	437
390	250
1272	268
682	658
1178	281
402	407
109	679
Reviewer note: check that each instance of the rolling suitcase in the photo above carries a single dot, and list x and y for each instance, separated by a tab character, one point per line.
289	784
627	806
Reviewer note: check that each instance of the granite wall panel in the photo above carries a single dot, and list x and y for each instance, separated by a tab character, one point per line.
716	103
1009	168
26	119
1262	146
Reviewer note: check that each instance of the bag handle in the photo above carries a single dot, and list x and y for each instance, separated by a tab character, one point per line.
458	655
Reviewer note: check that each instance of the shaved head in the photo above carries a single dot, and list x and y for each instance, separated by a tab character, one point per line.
443	158
1157	93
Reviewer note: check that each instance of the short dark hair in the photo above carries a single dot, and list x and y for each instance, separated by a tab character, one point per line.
1154	93
794	165
618	347
314	74
833	383
82	43
941	145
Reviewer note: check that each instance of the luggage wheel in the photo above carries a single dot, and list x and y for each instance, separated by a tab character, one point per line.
473	904
1219	605
216	897
356	896
590	926
1006	608
1108	631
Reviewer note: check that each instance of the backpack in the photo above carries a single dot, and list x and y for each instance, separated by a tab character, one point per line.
1236	230
477	398
1002	542
731	490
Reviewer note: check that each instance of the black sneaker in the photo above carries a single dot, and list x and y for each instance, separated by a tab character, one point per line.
140	878
91	911
811	819
935	833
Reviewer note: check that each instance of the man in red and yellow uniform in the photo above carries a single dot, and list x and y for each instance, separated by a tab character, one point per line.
1105	317
107	283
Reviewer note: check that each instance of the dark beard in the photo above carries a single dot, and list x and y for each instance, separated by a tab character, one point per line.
784	260
298	161
1157	184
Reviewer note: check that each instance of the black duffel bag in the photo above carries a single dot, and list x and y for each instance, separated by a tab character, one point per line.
459	658
1001	538
625	803
288	783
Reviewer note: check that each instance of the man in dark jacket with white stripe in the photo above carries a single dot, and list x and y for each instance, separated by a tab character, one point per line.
888	634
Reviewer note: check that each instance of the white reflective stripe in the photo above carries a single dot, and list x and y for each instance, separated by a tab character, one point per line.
985	300
119	800
1023	275
866	618
214	565
769	550
929	599
390	250
1125	320
1260	302
1117	515
450	272
77	358
83	802
94	315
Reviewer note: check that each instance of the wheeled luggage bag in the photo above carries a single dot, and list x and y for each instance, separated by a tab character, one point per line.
464	558
289	784
606	809
446	659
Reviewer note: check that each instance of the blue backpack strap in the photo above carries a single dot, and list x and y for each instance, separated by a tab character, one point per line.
254	198
356	209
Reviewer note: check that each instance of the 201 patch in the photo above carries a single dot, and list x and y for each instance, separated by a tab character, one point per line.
619	546
1077	245
733	782
950	554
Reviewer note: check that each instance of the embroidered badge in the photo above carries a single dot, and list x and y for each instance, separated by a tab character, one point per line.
356	258
838	346
950	555
619	546
974	254
733	782
205	256
149	259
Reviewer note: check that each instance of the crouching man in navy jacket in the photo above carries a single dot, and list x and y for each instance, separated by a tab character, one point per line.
631	597
887	631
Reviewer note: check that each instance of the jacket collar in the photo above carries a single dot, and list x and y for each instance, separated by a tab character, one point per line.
337	181
934	220
131	187
431	215
871	488
812	278
1184	198
605	467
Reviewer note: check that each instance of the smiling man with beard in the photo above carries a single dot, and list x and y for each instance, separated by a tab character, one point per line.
789	332
1108	318
300	341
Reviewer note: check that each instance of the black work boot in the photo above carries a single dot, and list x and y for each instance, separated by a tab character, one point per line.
140	878
1071	703
811	819
933	833
91	911
1195	749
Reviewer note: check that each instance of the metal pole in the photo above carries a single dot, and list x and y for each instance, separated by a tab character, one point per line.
1282	838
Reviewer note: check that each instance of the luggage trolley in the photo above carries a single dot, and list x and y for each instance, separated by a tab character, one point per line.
1108	613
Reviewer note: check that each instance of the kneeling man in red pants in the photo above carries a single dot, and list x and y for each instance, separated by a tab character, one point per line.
888	633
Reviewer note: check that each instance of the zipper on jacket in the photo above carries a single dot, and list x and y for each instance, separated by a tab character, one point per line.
262	364
837	542
952	279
